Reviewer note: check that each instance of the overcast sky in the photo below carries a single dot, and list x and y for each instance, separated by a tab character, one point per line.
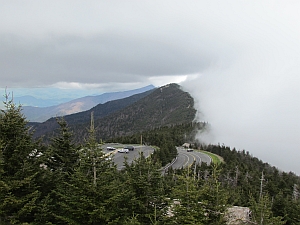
240	60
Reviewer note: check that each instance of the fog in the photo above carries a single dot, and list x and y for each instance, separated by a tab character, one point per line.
240	60
251	99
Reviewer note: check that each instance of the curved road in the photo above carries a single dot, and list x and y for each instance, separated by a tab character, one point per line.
184	158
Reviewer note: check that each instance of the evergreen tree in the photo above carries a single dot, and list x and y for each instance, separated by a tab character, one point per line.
187	205
60	160
262	213
62	154
3	186
216	196
91	193
201	201
132	221
19	199
144	181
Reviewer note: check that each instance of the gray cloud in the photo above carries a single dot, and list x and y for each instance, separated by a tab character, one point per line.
241	59
43	43
104	58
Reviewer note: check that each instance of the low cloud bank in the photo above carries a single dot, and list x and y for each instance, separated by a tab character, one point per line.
251	98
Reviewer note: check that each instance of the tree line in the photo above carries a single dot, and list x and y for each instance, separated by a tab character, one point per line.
66	183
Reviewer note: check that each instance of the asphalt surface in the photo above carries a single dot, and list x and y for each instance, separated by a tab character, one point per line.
119	158
184	158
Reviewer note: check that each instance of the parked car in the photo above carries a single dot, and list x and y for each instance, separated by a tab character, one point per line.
110	148
190	150
123	150
108	158
130	148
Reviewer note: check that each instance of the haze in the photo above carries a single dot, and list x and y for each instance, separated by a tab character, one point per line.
239	60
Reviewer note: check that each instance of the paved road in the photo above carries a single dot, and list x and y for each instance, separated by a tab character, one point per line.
119	158
185	159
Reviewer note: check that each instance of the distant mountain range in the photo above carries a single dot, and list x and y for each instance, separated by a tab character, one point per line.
29	100
41	114
164	106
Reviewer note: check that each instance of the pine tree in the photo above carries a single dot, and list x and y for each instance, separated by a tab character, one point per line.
60	160
62	154
144	181
216	196
132	221
187	205
200	201
3	186
18	203
262	212
90	194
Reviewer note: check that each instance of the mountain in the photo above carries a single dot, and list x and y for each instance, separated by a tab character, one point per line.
29	100
100	111
164	106
41	114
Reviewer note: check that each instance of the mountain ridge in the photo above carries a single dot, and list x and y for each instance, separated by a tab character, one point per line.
164	106
41	114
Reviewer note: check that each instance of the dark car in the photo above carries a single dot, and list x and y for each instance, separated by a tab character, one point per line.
130	148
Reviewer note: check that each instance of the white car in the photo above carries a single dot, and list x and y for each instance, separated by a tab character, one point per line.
123	150
110	148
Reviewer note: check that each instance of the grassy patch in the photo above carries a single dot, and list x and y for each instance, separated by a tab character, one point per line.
215	158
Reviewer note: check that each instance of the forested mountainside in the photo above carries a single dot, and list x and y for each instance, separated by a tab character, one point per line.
240	180
64	183
165	106
49	127
245	177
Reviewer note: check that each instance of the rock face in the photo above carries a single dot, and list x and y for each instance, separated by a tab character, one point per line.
237	215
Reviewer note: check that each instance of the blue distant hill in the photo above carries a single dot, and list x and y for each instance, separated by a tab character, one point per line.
32	101
35	113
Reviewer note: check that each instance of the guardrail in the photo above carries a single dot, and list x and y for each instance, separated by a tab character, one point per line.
168	165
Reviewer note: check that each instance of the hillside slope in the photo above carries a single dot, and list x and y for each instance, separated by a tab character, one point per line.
48	127
164	106
41	114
